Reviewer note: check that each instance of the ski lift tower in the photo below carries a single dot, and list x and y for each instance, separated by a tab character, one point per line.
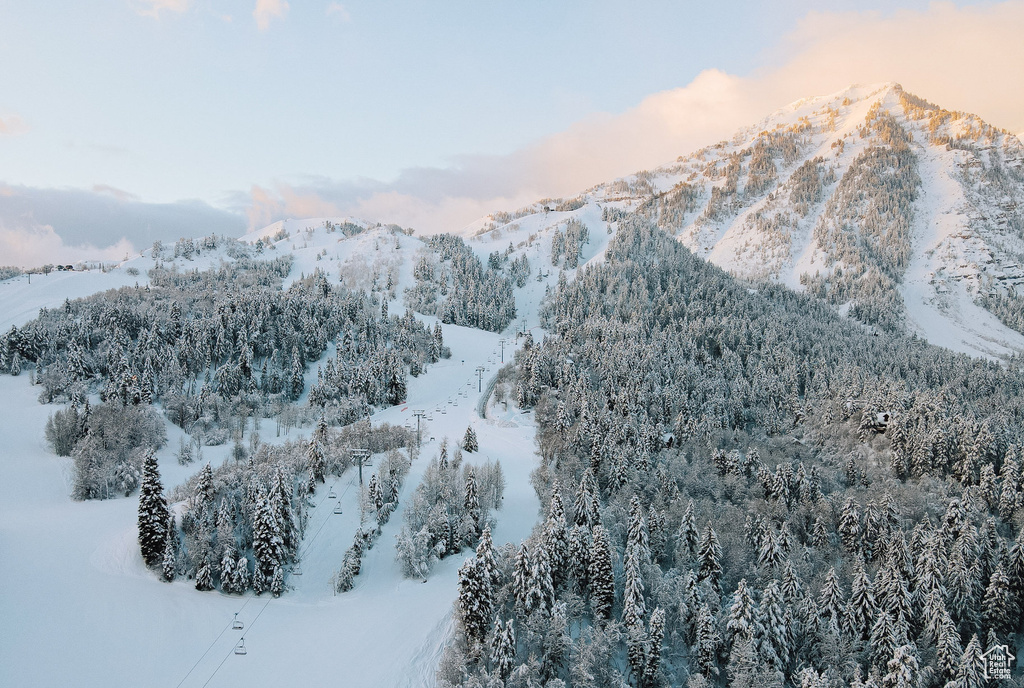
502	342
419	415
359	456
479	379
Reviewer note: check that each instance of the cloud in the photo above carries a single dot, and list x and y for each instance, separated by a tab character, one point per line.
34	245
267	10
338	10
153	8
961	58
93	223
12	125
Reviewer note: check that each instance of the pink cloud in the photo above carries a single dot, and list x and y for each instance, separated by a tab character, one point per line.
267	10
12	125
153	8
961	58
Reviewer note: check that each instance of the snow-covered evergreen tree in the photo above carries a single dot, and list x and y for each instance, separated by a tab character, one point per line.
469	442
153	513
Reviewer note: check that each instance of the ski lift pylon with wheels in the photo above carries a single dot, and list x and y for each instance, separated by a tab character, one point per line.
237	623
337	508
240	647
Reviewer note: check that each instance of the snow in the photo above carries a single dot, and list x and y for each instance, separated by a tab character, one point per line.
88	612
23	296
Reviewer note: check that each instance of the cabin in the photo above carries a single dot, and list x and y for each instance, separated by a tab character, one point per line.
879	421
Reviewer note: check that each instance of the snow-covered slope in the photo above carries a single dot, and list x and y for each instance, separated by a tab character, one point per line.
89	613
785	200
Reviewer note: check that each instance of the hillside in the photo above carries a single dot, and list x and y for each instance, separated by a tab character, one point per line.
901	213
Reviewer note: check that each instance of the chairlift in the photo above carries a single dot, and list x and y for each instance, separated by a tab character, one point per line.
444	412
240	647
296	570
332	494
237	624
337	508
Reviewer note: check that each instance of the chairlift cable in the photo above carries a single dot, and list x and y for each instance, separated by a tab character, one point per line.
248	598
232	650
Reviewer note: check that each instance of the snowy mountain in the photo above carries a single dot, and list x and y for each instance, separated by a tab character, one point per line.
896	212
892	208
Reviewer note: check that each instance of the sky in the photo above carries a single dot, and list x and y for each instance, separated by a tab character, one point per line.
126	121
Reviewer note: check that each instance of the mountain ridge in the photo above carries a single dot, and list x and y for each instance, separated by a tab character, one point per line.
893	209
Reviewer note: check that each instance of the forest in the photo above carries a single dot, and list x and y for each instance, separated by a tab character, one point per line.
741	488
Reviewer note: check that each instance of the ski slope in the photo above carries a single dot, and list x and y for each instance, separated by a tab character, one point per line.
81	609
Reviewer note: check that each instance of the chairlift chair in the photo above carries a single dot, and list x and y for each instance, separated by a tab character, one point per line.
332	494
237	623
240	647
337	508
296	570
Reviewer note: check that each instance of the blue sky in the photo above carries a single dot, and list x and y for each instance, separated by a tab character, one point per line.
257	109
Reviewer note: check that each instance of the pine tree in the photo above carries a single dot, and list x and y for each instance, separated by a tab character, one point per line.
469	443
485	560
471	502
883	640
544	587
652	665
741	624
637	536
849	526
634	608
776	623
523	582
241	579
706	643
830	601
578	560
259	580
277	581
170	556
475	601
687	535
860	610
227	571
948	650
903	670
970	672
296	380
280	503
204	576
710	558
601	577
266	538
503	648
556	538
153	513
998	603
315	453
586	507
